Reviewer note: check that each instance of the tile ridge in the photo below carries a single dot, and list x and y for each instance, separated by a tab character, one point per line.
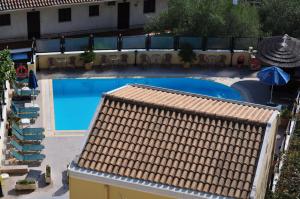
111	96
249	104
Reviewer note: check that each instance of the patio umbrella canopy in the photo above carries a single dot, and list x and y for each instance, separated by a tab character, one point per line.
280	51
273	76
32	82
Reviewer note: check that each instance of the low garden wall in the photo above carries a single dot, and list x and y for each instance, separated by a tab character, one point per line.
216	58
3	131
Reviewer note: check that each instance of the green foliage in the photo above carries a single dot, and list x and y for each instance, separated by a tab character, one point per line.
7	70
25	181
279	17
243	21
186	53
88	56
289	183
285	113
207	18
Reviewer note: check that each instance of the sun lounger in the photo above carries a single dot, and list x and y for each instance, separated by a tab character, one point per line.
27	157
26	147
22	80
25	91
27	130
31	114
27	137
20	107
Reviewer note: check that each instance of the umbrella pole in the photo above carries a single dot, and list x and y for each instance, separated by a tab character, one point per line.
271	94
32	97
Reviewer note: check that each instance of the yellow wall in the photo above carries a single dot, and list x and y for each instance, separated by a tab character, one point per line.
203	58
82	189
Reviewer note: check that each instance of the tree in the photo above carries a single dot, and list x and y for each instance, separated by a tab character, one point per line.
279	17
243	21
207	18
7	70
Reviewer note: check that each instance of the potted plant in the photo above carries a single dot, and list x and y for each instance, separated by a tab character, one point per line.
26	185
285	115
88	57
187	55
48	174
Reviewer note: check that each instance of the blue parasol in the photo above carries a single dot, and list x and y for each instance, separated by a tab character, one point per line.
32	83
273	76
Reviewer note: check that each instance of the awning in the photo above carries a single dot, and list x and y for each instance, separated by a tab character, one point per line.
280	51
19	56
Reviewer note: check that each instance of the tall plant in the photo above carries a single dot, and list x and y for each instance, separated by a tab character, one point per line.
7	70
186	53
207	18
279	17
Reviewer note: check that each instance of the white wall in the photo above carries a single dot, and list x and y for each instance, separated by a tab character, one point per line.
261	178
137	16
80	19
107	19
17	28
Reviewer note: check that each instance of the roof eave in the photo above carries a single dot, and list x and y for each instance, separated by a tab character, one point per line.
52	6
262	154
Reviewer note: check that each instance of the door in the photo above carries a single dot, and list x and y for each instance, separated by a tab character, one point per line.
123	15
33	24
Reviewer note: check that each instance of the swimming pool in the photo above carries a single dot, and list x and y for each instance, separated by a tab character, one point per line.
75	100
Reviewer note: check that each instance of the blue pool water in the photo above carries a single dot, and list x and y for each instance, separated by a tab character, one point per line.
75	100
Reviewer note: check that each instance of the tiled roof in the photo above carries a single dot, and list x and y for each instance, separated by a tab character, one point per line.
181	140
25	4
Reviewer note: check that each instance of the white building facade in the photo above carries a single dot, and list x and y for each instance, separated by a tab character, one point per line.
68	19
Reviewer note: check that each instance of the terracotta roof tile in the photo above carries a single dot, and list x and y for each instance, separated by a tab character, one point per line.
182	140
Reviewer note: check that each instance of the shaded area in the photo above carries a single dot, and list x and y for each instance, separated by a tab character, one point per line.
259	93
65	186
153	71
254	91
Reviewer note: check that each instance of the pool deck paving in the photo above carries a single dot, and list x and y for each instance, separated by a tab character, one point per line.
62	147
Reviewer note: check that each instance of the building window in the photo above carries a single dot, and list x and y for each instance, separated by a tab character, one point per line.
64	14
94	10
149	6
5	20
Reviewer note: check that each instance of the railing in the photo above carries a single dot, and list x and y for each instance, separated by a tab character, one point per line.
145	42
285	142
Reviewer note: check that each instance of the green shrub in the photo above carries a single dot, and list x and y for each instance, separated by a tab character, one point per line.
186	53
25	181
7	70
289	182
285	113
48	171
88	56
